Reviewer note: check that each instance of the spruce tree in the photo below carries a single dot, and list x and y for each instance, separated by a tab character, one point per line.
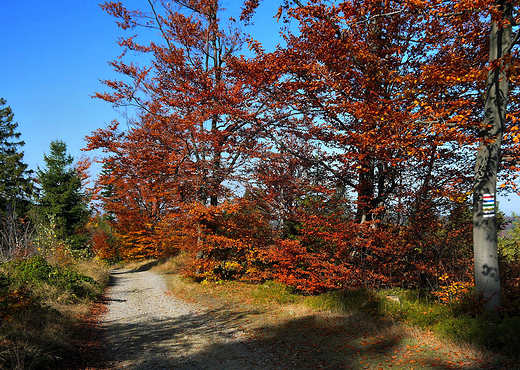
61	198
15	183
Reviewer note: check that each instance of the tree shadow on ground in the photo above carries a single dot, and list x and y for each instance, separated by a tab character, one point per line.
147	266
310	342
213	339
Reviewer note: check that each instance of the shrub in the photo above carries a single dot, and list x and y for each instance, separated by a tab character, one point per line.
16	239
37	271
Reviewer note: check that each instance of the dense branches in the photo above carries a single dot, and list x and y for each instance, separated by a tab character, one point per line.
352	142
381	90
195	109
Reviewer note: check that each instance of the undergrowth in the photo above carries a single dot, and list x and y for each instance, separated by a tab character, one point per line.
462	323
40	303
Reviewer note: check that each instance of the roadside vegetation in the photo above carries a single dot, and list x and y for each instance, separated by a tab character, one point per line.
49	279
360	328
42	305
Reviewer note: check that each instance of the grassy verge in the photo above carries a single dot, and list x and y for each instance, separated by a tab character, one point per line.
357	329
41	310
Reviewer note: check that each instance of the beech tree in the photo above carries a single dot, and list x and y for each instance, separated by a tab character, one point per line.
192	136
195	107
369	82
375	101
394	91
502	39
15	184
142	187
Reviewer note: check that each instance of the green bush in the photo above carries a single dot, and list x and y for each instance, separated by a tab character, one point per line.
503	335
37	271
34	269
40	303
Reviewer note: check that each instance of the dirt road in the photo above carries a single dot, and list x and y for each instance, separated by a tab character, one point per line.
147	328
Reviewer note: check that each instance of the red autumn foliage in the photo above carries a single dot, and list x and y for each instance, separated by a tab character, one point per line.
101	246
351	145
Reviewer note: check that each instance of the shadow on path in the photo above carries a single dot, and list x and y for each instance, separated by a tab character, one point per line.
303	343
211	340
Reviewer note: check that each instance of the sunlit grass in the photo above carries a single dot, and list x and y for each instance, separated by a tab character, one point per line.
403	320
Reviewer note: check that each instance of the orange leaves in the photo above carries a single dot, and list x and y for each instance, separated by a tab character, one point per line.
352	140
379	86
306	271
12	300
248	10
453	291
119	11
513	133
103	247
230	239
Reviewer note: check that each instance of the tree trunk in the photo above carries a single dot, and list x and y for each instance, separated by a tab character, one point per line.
487	279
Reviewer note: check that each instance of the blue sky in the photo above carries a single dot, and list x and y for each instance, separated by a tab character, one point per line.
53	55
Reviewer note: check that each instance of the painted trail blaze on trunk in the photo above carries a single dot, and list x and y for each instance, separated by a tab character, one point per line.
488	205
487	279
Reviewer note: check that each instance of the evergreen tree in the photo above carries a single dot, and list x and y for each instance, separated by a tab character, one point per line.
15	184
108	194
61	198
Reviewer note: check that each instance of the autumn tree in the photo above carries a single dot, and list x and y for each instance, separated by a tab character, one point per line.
62	202
192	134
394	90
140	190
15	184
378	101
284	182
363	80
502	40
196	108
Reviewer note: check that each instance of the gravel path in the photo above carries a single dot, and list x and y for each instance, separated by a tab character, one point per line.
146	328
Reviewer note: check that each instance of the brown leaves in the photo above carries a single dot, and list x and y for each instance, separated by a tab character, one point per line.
248	10
354	141
117	10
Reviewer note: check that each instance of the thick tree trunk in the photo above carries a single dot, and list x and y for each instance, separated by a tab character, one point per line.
487	279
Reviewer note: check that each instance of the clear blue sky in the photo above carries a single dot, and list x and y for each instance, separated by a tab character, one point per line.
53	54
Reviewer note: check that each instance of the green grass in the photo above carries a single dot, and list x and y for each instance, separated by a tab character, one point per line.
272	292
449	322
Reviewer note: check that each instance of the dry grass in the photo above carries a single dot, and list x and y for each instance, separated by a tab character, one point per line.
94	268
340	337
173	265
35	337
40	335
